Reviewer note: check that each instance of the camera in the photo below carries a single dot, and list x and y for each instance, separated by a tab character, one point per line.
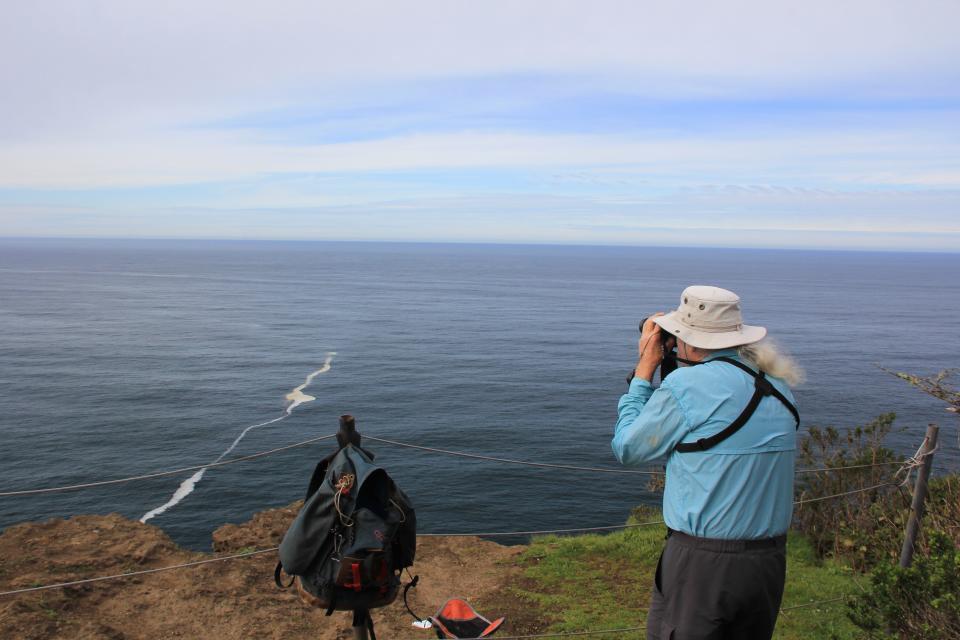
669	363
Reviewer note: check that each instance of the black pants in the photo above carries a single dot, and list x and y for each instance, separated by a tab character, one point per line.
717	589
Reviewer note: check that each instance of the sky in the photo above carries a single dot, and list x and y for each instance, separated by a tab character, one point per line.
830	125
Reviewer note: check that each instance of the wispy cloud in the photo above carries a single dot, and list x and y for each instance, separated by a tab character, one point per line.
497	121
819	157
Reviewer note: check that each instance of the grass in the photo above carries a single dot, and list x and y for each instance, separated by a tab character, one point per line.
81	567
46	609
604	581
811	580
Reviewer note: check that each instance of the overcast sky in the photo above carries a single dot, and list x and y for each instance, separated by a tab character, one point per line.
735	123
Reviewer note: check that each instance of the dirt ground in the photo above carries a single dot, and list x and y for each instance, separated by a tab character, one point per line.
232	599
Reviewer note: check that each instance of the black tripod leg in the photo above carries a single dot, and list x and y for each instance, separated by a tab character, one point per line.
362	623
373	634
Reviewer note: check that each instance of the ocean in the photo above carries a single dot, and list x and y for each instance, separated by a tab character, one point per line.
120	358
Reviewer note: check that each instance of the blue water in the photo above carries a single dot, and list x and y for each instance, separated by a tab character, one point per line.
124	357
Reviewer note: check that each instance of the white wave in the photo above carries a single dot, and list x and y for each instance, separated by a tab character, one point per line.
296	398
245	431
185	489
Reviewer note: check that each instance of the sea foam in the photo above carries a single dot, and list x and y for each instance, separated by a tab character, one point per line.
296	397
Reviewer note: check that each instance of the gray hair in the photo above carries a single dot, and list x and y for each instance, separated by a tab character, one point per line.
767	356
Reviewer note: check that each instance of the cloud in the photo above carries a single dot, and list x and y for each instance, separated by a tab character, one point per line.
68	63
522	118
730	216
199	156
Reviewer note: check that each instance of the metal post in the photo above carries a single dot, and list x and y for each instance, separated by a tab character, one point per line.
919	495
348	433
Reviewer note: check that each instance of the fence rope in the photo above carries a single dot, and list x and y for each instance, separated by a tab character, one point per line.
910	464
614	527
852	466
143	572
812	604
847	493
490	534
271	549
477	456
566	634
160	474
914	461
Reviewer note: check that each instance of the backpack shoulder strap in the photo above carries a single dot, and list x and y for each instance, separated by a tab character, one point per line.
276	577
762	388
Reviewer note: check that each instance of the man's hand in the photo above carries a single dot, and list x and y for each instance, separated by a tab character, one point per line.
651	351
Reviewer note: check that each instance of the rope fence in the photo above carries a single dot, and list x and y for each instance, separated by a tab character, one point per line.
905	469
476	456
846	493
614	527
568	634
852	466
248	554
160	474
909	464
132	574
813	604
486	534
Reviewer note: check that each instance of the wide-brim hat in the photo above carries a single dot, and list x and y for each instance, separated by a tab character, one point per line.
710	318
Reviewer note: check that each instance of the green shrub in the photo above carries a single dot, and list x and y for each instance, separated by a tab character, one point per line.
942	511
865	526
921	601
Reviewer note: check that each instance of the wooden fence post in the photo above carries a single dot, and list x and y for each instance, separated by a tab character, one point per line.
919	495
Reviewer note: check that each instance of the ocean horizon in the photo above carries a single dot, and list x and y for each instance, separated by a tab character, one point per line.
167	240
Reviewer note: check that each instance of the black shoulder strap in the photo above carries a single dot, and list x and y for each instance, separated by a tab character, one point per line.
762	388
276	577
769	390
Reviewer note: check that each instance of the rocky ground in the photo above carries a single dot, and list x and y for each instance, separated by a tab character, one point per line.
232	599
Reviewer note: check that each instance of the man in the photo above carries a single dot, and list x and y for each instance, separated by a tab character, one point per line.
727	424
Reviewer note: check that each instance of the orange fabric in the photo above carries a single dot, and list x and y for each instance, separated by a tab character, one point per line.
458	610
493	626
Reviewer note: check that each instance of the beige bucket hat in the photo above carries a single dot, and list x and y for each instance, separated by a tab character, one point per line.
710	318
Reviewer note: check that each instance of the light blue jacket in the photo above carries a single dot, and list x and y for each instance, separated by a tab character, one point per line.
740	489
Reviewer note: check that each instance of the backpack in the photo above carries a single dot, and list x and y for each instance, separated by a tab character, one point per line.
354	534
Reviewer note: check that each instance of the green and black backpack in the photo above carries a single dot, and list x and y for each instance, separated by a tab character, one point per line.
355	533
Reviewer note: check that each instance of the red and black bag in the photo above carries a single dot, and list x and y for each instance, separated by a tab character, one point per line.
355	533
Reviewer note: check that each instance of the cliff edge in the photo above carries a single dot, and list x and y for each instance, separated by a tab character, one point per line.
231	599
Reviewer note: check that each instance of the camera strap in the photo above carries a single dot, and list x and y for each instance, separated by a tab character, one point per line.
762	389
